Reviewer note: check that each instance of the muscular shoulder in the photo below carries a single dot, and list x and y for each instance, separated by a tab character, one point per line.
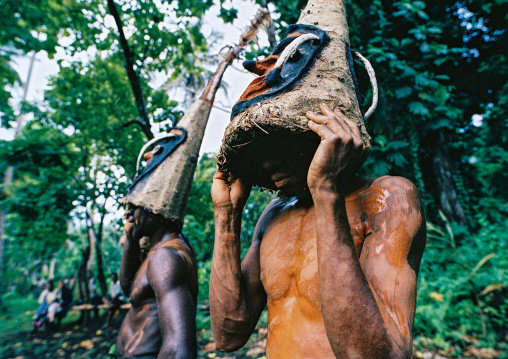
392	209
167	267
269	215
392	195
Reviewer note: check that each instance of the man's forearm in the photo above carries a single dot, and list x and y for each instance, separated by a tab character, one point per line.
354	324
228	306
130	264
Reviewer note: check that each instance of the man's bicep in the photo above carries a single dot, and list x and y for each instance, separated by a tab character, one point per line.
251	275
168	275
391	257
177	320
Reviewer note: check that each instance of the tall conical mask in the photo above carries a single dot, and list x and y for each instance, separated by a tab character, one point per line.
164	185
311	65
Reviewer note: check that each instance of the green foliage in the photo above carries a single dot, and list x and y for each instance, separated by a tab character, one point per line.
16	319
435	70
227	15
42	194
437	64
87	128
462	291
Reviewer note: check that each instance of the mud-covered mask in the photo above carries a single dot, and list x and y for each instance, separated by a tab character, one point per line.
163	147
281	72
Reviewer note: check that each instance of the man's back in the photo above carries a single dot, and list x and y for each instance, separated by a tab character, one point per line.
169	264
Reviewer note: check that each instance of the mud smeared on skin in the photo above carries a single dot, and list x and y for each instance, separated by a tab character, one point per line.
289	270
140	333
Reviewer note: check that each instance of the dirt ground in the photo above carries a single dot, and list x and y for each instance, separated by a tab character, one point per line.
92	341
73	340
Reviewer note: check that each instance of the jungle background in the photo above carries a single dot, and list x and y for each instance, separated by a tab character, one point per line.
442	68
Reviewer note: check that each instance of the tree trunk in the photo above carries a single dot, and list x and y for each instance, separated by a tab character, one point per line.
84	290
91	243
448	198
95	243
100	270
9	173
52	265
100	267
131	73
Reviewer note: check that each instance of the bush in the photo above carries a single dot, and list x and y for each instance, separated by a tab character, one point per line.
462	289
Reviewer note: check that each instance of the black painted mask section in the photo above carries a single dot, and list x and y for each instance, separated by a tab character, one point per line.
288	77
161	150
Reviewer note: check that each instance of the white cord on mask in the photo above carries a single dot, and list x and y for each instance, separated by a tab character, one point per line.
149	143
373	82
292	47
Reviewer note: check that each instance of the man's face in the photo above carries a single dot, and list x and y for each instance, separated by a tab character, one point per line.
285	170
285	176
114	277
143	224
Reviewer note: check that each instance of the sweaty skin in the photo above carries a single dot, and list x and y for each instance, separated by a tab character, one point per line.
338	272
163	290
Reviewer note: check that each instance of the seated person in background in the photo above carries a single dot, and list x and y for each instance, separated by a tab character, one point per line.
115	297
47	297
59	307
96	300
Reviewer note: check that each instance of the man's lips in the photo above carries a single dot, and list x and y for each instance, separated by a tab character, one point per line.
280	179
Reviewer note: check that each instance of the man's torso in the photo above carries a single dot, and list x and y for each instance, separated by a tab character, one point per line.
289	273
140	333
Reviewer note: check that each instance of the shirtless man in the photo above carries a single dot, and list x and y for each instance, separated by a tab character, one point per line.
338	267
163	290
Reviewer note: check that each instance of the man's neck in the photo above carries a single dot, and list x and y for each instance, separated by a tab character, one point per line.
161	235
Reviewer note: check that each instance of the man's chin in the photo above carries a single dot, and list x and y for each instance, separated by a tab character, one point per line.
302	194
138	235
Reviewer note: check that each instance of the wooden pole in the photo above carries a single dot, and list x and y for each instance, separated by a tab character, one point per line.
166	190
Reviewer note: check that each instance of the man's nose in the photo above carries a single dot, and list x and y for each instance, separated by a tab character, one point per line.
271	164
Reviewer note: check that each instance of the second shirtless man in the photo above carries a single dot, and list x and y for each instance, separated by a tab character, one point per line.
336	259
162	287
160	278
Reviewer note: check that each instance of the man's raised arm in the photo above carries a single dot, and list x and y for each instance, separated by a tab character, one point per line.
237	297
131	255
168	274
367	303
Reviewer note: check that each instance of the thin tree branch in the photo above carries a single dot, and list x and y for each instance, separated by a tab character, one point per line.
130	123
131	73
270	31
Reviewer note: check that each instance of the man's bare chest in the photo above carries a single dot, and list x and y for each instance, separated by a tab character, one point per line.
141	289
288	254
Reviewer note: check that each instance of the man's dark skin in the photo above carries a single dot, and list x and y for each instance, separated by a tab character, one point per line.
338	270
163	290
